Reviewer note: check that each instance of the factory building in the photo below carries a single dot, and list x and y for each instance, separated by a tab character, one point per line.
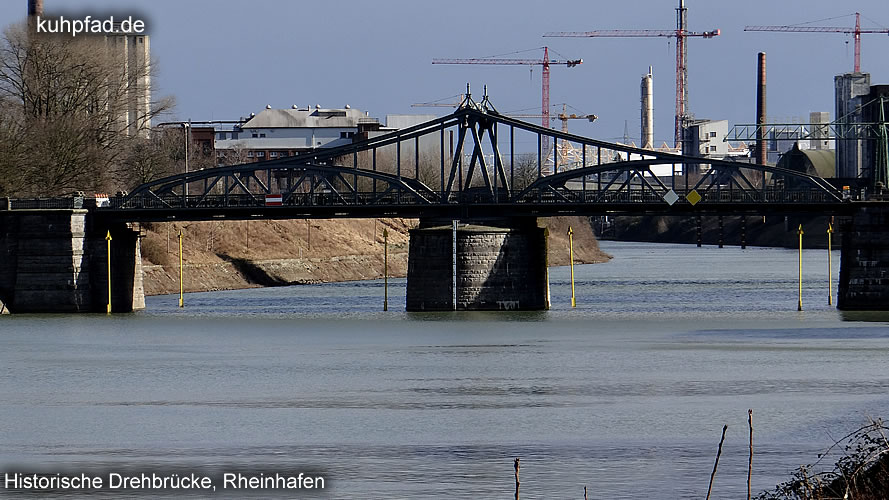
851	91
706	138
277	133
133	53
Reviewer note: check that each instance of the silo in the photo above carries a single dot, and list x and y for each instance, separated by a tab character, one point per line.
647	111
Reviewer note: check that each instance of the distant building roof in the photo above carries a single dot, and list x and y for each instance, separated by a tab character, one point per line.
820	162
308	118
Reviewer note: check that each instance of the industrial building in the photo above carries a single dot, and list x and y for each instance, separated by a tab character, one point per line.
851	89
277	133
134	53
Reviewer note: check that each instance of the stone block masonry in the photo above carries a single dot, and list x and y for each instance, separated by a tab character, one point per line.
864	265
500	265
56	261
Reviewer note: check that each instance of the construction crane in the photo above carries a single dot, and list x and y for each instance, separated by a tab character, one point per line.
680	34
440	104
545	62
857	31
564	116
566	150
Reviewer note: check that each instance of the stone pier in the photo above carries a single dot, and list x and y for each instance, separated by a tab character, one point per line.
864	266
495	265
56	261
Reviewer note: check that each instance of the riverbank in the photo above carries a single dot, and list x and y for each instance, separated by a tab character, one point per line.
770	231
228	255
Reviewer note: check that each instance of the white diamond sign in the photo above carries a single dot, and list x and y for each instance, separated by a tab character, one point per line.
671	197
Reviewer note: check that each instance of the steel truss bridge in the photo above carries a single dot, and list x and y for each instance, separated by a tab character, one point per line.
477	163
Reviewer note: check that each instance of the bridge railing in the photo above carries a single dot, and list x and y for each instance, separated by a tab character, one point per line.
253	201
42	203
726	196
576	196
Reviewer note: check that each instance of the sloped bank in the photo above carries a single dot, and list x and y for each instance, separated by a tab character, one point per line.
238	254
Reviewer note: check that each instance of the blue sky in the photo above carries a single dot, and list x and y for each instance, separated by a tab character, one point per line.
224	59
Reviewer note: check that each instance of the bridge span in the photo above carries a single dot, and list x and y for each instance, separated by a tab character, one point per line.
476	166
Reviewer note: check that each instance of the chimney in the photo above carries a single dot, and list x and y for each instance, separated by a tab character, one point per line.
761	153
35	8
647	112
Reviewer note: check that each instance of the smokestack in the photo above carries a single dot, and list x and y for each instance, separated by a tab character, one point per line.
761	154
647	112
35	8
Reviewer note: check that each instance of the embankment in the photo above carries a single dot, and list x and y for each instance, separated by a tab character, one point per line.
226	255
769	231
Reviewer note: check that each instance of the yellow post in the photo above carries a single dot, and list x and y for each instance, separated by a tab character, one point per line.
108	240
385	270
799	306
571	258
829	266
181	296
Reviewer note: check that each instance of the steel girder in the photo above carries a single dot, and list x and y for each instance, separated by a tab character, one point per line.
334	176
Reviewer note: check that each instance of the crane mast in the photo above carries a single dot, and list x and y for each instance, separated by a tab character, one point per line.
681	34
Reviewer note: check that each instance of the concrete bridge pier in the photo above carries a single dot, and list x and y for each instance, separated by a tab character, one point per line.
481	265
56	261
864	265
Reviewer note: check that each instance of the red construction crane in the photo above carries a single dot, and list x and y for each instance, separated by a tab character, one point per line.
857	31
680	34
545	62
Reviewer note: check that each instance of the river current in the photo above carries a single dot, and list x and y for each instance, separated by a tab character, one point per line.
626	394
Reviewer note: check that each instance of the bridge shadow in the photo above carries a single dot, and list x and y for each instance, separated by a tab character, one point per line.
253	273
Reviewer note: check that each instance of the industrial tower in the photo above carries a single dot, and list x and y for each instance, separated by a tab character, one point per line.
680	34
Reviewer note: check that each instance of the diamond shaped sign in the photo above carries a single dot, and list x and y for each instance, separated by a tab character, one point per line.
671	197
693	197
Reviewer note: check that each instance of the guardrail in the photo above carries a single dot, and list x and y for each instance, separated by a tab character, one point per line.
75	202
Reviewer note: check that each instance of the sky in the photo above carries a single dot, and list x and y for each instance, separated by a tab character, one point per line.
223	59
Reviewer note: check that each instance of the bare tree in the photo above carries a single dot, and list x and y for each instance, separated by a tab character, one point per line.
68	113
524	170
235	155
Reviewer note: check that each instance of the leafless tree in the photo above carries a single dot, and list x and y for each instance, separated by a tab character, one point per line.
524	170
68	116
235	155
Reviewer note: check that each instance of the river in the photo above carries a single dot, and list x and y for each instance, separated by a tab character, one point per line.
627	393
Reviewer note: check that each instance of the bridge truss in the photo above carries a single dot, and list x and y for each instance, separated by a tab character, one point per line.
476	162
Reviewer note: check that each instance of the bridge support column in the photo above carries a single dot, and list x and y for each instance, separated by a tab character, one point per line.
500	265
127	291
864	266
55	261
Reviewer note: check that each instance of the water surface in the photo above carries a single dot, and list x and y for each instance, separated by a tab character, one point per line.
626	394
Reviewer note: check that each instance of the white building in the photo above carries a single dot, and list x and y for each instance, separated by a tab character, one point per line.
276	133
706	138
284	132
133	53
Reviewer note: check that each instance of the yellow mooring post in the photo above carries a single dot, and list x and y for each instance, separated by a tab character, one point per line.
799	305
181	297
385	270
571	258
108	240
829	267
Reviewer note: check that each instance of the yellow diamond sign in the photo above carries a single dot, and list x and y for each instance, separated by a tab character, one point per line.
693	197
